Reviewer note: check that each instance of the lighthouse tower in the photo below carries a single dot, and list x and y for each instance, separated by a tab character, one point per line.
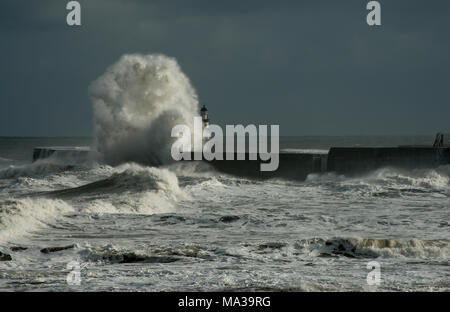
205	121
204	114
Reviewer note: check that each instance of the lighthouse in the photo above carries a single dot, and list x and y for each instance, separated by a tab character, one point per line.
204	114
205	122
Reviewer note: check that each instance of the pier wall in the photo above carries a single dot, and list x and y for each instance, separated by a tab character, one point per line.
351	160
291	166
71	154
297	166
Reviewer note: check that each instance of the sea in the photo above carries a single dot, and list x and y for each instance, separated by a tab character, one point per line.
90	226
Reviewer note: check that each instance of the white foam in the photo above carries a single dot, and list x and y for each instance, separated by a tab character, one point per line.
136	103
143	190
374	248
41	167
21	216
390	179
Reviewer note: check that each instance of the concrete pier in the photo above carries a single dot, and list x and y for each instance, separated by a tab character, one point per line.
72	153
297	166
351	160
291	166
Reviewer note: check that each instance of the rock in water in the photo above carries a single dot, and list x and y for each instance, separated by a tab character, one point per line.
228	219
5	257
18	248
54	249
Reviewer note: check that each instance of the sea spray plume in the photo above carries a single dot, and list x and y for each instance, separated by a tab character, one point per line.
136	102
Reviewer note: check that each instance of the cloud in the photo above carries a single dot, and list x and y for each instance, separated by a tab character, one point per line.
314	67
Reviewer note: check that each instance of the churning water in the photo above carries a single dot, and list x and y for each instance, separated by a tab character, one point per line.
185	227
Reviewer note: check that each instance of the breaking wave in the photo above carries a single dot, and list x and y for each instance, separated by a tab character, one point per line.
21	216
391	180
373	248
38	168
129	177
130	189
136	102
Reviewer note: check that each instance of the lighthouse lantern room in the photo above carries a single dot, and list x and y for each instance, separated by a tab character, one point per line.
204	114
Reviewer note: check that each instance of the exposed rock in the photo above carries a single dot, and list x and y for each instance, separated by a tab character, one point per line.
131	257
5	257
54	249
18	248
326	255
346	248
272	246
228	219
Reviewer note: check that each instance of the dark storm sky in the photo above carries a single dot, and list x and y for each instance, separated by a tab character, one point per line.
313	67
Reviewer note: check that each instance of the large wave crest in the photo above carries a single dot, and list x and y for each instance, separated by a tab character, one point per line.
136	102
